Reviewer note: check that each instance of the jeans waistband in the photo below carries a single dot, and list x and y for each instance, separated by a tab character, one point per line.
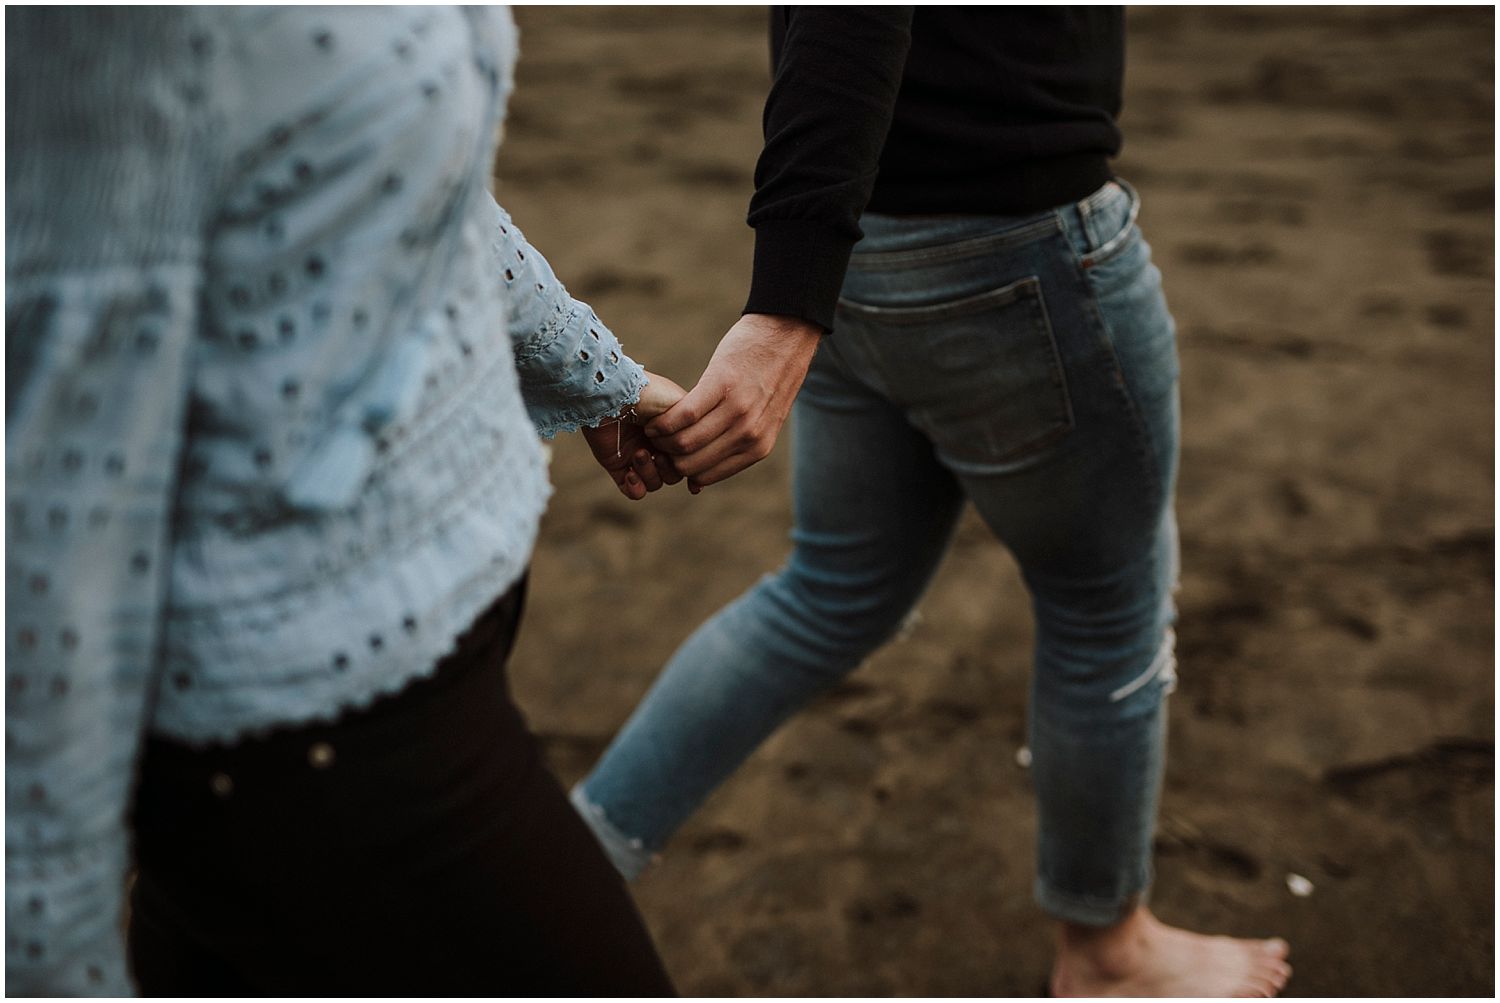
1091	224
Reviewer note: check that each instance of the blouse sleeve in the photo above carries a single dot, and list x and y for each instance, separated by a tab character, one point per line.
572	368
102	235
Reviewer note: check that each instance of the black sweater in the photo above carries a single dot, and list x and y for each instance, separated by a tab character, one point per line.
976	110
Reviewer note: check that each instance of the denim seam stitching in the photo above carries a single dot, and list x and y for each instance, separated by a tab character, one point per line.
1082	265
1144	445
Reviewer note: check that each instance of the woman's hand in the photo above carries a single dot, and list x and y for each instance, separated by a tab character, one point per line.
622	449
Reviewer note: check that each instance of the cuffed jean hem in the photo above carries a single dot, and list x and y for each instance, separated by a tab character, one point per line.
629	856
1085	910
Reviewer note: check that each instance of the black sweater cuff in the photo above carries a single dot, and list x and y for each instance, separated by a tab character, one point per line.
799	270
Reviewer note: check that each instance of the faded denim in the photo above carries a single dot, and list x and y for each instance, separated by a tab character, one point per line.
1028	365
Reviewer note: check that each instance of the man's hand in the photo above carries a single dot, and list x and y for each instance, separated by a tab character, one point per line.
622	449
730	420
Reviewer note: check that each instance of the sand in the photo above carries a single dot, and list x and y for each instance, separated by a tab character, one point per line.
1318	188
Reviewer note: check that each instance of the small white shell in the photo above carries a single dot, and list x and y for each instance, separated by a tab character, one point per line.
1299	886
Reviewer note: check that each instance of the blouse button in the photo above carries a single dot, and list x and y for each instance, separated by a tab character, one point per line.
221	785
320	755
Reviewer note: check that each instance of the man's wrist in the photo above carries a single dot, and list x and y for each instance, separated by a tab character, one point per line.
798	270
783	325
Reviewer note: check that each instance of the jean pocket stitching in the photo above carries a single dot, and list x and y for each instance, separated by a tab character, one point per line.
1025	293
1048	438
930	313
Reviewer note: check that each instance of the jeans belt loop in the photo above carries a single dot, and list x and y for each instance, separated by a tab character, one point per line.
1075	223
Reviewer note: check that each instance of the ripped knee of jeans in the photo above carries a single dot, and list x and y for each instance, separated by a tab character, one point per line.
1163	667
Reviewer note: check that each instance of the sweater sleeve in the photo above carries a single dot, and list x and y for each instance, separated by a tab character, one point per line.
573	369
837	73
102	276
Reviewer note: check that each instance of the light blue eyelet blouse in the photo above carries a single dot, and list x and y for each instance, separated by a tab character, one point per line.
276	364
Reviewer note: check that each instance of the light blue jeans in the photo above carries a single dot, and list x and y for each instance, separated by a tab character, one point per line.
1028	365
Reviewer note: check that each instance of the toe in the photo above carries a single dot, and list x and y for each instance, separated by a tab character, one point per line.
1262	988
1276	947
1276	976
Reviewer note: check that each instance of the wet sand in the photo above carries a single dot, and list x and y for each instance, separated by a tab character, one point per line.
1318	188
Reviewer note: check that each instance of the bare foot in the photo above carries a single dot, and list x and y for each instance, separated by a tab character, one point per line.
1141	956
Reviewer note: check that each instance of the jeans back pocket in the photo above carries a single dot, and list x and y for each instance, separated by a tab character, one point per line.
981	376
